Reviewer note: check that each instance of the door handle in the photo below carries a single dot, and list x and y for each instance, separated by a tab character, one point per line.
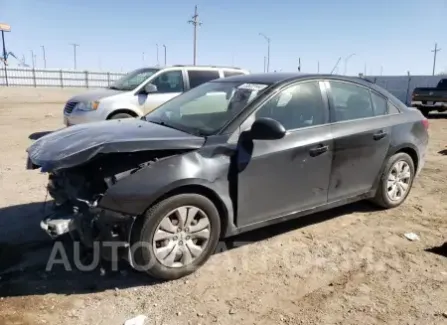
318	150
379	135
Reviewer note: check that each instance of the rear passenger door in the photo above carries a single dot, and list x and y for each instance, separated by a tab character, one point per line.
361	138
198	77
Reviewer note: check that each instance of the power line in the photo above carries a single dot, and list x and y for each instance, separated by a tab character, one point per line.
74	54
435	51
195	22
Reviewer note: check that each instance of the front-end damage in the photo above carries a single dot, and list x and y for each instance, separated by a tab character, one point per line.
77	193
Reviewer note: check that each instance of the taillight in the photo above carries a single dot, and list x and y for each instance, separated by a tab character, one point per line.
425	123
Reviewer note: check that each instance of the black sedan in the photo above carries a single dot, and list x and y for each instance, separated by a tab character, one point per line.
229	156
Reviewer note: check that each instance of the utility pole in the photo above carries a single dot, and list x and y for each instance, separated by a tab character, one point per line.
143	57
336	65
164	46
268	51
74	54
195	22
346	62
299	64
435	51
158	62
381	70
265	63
318	66
44	57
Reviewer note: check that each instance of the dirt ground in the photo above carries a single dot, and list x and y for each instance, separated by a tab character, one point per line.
351	265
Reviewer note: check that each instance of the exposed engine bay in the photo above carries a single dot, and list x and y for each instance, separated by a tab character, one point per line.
77	191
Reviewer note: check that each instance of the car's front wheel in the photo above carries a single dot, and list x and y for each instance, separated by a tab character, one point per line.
396	181
176	236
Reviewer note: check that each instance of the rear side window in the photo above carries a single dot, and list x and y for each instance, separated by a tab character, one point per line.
392	109
380	104
350	102
198	77
228	73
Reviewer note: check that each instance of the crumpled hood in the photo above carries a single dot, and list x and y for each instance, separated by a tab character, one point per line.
95	94
77	144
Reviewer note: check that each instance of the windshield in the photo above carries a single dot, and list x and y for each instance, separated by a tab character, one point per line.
133	79
205	109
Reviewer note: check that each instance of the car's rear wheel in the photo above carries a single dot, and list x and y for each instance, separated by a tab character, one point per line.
396	181
176	236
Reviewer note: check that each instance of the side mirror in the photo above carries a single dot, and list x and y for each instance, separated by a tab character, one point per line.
150	88
267	129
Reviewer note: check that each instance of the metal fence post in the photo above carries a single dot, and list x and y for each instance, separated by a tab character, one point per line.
86	79
61	78
34	78
108	79
408	103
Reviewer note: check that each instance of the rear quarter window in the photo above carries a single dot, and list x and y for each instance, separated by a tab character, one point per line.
228	73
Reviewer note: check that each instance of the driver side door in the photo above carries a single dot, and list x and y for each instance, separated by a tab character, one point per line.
276	178
169	84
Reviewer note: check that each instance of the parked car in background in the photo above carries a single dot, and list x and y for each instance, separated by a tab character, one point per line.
231	155
428	99
140	91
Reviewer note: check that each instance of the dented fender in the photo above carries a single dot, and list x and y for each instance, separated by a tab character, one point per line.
135	193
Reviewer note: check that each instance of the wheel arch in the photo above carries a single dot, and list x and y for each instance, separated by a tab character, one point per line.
122	110
195	188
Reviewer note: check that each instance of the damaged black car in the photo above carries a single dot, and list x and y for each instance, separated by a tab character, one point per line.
228	156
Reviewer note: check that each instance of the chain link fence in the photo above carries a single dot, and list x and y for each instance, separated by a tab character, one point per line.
28	77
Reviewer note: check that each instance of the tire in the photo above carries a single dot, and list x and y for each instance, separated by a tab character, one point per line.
120	116
143	246
383	197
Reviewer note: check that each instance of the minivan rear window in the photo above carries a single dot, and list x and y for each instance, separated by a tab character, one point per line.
228	73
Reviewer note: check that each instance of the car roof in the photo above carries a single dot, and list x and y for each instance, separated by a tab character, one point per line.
278	77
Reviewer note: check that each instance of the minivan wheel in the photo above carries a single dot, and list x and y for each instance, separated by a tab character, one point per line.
120	115
396	181
176	236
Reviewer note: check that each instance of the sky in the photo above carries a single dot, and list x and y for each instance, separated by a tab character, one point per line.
388	37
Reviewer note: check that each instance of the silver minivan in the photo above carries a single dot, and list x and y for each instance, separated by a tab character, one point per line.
140	91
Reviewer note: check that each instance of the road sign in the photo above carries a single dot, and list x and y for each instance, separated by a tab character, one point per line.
5	27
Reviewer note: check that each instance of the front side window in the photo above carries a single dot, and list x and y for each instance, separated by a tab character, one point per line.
296	107
169	82
350	101
198	77
133	79
205	109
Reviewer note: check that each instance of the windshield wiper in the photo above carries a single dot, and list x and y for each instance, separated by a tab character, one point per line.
195	131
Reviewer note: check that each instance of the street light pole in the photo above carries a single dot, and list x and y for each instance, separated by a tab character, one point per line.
32	59
74	54
164	46
158	62
268	50
44	57
346	62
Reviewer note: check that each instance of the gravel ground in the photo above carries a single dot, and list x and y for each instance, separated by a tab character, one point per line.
351	265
